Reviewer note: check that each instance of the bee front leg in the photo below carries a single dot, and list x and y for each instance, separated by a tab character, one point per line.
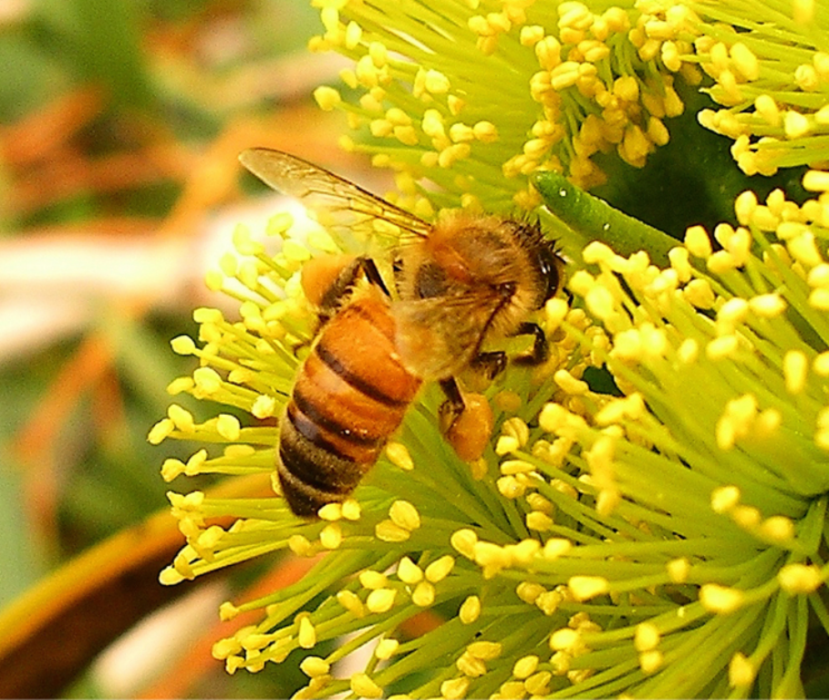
466	422
332	295
539	352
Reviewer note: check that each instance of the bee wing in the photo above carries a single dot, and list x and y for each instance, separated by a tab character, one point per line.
339	205
438	337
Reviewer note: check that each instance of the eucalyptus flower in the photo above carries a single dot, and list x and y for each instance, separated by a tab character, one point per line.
650	517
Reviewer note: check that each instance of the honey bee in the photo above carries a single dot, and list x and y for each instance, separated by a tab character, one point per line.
458	284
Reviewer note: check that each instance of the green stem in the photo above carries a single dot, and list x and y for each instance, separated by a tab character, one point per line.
594	219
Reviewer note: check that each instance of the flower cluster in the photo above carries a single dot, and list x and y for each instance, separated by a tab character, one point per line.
571	84
663	539
662	535
771	71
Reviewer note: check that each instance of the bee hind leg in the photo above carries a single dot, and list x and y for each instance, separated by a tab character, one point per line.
466	422
489	364
451	409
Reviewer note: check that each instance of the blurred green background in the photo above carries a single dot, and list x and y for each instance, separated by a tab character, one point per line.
120	121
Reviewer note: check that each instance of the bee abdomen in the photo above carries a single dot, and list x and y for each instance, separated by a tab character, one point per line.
350	395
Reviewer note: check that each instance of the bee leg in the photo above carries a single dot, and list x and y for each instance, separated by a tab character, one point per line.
489	364
373	274
451	409
539	352
466	422
346	279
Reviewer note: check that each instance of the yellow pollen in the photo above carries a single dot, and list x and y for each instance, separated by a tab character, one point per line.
492	555
506	444
778	528
803	249
404	515
398	455
549	601
795	369
556	547
537	683
387	531
351	509
408	571
529	591
331	511
796	125
454	689
424	594
381	600
587	587
530	35
600	302
511	690
510	487
564	639
720	599
484	650
799	578
741	671
307	635
331	536
650	661
697	242
516	466
373	580
767	305
820	365
803	11
698	293
464	541
819	299
386	648
745	61
436	82
363	686
540	522
724	498
816	181
314	666
646	636
182	418
440	568
378	53
721	348
678	569
300	545
517	428
470	666
470	610
327	98
747	517
351	602
525	667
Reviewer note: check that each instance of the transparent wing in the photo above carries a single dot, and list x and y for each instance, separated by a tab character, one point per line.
438	337
342	207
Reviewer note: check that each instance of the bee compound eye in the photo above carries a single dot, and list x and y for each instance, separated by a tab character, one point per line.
550	264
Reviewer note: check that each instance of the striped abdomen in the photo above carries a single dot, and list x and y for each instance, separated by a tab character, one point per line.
351	394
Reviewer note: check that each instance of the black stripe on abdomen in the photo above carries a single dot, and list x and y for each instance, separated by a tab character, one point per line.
312	475
308	428
330	360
